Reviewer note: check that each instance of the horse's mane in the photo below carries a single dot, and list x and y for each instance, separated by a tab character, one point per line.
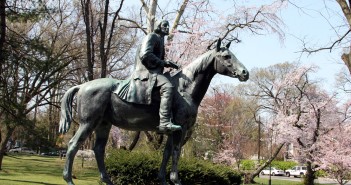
199	63
192	69
188	74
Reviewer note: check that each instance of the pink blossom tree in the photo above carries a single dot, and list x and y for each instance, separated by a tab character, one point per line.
301	112
311	118
225	128
334	154
306	121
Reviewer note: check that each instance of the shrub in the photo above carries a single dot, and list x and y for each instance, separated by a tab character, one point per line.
247	164
321	173
126	167
284	165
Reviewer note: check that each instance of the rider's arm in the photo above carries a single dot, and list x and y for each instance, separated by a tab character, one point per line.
146	54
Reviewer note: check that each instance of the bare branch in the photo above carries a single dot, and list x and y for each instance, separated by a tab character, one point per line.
143	4
134	22
177	19
326	48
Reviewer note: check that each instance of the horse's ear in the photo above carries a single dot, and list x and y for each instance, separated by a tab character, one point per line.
228	45
218	47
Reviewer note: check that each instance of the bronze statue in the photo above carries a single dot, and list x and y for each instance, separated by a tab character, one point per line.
99	107
149	71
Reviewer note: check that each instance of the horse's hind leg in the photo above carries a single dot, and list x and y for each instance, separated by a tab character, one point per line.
82	133
102	133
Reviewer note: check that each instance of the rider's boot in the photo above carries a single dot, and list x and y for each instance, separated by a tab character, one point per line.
165	111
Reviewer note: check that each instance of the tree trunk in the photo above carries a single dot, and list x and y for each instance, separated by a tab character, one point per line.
151	16
2	33
155	139
346	58
90	62
177	20
7	134
103	26
310	175
105	48
135	140
345	7
249	178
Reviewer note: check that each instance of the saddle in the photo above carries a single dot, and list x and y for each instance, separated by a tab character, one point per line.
135	90
132	91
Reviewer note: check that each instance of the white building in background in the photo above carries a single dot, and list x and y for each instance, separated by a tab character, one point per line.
289	154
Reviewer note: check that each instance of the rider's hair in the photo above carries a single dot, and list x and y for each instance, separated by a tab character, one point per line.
157	26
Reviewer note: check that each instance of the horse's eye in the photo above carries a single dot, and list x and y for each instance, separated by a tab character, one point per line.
226	57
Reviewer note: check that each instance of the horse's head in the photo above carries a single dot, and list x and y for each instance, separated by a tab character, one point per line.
227	64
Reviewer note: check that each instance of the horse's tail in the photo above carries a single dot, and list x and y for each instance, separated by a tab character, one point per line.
66	109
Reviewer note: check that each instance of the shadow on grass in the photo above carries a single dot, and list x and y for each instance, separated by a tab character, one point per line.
33	158
24	181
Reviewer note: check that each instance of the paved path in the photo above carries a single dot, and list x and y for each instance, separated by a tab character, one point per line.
319	180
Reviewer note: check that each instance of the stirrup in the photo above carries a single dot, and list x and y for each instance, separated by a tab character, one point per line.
169	127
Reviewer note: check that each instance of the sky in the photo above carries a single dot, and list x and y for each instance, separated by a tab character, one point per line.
300	24
312	21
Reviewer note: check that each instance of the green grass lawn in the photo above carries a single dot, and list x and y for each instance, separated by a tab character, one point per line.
40	170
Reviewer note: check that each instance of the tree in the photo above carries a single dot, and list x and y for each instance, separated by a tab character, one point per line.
104	38
307	120
272	87
36	56
2	32
334	151
264	91
212	125
225	130
301	112
239	130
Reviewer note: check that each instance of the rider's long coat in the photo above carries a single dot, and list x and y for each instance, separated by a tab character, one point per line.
148	64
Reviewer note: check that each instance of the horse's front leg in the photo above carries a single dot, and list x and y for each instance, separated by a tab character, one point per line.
177	144
166	155
102	133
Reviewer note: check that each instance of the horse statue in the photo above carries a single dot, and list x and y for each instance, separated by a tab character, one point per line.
99	108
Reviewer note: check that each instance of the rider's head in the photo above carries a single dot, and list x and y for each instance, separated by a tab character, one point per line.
162	27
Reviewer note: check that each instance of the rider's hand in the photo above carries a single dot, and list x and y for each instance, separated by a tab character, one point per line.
171	64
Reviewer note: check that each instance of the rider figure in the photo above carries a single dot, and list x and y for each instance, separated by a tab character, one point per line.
151	60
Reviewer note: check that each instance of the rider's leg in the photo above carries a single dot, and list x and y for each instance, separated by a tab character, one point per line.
166	92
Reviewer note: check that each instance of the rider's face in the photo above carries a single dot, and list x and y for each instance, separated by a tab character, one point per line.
165	27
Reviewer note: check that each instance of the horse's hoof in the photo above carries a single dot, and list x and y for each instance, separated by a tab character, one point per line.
70	183
68	180
107	181
174	178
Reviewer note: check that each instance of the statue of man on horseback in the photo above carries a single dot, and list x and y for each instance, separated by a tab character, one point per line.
149	74
128	104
